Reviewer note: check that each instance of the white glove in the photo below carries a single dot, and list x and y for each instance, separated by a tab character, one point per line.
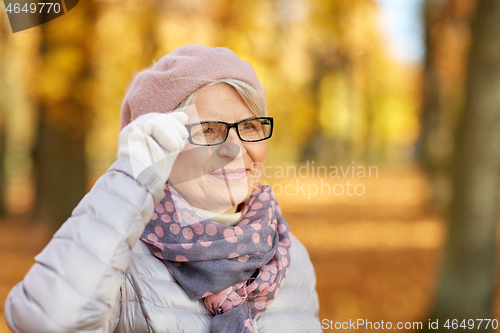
153	141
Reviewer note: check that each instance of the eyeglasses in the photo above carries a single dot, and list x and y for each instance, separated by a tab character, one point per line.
211	133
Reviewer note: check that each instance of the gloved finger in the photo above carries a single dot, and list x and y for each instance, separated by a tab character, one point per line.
177	119
180	116
170	134
181	129
170	140
165	123
145	150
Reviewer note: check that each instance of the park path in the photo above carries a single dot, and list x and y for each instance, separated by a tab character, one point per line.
376	255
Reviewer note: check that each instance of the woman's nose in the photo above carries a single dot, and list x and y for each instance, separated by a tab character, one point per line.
232	146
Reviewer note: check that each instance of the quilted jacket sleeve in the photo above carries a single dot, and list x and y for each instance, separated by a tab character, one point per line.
75	283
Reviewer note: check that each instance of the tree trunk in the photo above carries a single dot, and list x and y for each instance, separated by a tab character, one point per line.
60	172
429	152
468	275
4	104
64	114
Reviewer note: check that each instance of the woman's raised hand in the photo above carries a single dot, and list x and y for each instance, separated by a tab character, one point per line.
153	141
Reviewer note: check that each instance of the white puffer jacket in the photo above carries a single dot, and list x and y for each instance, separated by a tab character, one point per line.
95	276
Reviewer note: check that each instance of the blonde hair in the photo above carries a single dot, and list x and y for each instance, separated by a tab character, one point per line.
254	101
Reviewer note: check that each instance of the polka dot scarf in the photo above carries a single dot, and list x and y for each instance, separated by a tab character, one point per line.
236	270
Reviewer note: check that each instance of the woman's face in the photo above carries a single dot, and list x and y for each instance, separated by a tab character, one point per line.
197	173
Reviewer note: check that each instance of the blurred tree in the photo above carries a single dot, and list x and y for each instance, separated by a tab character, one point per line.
15	169
447	41
326	60
429	158
119	52
330	56
468	274
4	64
362	103
65	109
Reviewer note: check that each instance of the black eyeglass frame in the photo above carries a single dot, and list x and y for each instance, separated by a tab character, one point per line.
228	128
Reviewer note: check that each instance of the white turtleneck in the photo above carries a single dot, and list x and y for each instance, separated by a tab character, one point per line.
225	219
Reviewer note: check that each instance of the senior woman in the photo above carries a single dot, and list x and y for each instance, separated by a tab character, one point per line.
179	235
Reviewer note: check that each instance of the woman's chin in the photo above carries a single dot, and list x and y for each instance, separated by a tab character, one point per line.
239	190
226	198
220	204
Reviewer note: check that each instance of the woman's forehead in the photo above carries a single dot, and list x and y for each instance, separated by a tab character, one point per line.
219	102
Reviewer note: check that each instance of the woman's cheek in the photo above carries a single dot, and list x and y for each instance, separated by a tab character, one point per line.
256	175
189	164
261	159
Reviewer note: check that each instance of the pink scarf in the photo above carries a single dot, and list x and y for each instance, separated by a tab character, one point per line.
237	270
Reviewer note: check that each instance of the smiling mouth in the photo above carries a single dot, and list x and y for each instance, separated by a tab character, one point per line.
230	174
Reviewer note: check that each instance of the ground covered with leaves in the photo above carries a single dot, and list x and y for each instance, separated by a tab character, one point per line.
376	255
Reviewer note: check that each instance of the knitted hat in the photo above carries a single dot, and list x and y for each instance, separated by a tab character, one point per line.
176	75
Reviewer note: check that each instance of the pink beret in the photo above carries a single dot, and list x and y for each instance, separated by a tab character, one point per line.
179	73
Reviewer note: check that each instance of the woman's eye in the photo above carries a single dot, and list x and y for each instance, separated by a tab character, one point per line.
206	131
248	126
201	131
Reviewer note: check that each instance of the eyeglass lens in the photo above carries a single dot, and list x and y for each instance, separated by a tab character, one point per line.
213	133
